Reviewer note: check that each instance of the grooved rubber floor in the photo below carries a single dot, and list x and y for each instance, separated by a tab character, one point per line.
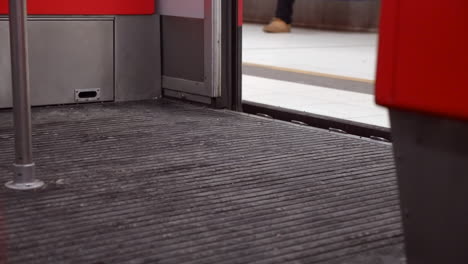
165	182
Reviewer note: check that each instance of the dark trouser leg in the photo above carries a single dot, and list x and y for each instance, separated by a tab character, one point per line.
284	10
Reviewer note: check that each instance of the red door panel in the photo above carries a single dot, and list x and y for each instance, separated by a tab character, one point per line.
86	7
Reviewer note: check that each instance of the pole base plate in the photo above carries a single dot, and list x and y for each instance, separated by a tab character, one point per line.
24	186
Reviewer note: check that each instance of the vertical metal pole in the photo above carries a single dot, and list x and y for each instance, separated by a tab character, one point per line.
24	167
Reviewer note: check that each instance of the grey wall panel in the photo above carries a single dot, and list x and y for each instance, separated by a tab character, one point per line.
183	48
69	55
431	155
137	58
5	66
182	8
64	55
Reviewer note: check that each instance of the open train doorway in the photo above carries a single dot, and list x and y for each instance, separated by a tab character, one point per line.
315	58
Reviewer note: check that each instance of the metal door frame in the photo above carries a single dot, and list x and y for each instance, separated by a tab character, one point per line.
210	86
213	60
222	58
232	56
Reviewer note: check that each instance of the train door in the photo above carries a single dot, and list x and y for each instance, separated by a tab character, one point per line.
199	50
191	48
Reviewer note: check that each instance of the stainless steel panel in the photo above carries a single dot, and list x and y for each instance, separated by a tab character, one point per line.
65	55
137	58
182	8
5	66
69	55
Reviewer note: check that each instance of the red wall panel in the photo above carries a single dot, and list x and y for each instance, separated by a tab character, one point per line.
86	7
423	56
240	12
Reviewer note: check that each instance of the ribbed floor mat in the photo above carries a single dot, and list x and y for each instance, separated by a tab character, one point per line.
165	182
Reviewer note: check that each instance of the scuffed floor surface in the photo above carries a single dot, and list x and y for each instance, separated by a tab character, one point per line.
164	182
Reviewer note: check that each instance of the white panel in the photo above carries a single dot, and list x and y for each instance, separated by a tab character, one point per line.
182	8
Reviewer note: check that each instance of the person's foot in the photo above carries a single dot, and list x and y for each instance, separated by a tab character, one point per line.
277	26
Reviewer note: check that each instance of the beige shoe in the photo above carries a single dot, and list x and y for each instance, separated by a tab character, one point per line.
277	26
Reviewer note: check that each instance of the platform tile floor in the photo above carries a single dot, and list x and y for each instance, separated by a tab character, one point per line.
350	55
